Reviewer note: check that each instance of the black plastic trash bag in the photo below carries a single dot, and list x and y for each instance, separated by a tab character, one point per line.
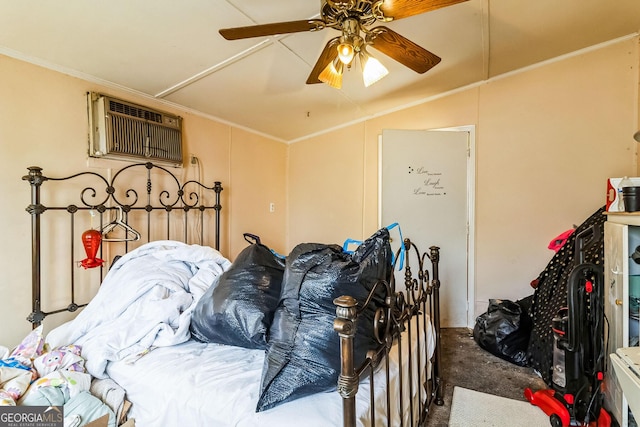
239	308
504	330
303	354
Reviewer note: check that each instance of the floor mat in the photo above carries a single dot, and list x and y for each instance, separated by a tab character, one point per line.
472	408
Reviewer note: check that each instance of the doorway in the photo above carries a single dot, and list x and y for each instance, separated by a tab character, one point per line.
426	184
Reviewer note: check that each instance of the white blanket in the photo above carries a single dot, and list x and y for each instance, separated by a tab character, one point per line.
145	301
197	384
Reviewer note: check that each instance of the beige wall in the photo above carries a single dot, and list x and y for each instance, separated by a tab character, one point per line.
258	171
547	138
43	122
326	187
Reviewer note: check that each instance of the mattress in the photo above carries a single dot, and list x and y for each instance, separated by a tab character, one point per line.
197	384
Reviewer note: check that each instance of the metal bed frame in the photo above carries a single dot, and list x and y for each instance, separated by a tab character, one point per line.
393	322
141	201
124	198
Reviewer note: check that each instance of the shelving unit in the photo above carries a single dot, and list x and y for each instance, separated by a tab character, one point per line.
622	238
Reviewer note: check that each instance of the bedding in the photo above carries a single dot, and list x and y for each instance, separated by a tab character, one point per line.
207	384
37	374
145	301
199	384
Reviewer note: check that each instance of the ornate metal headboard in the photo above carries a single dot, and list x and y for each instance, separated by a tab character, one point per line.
140	203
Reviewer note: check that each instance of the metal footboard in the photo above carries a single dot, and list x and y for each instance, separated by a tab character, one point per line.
413	314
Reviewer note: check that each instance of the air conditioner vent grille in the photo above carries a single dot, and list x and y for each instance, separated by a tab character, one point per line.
158	141
133	111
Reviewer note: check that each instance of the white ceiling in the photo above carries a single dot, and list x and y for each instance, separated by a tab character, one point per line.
172	50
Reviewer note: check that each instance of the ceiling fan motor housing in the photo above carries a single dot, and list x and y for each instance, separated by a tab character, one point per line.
334	12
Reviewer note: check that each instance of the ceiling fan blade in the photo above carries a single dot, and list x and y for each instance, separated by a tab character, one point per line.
272	29
403	50
329	53
398	9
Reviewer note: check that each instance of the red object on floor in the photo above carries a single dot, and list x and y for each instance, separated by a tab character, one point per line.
546	400
604	420
91	241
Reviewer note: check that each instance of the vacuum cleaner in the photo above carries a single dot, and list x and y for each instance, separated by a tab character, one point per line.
575	396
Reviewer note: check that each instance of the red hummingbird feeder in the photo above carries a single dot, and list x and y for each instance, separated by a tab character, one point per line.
91	240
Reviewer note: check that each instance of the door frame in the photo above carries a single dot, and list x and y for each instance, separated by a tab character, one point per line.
471	212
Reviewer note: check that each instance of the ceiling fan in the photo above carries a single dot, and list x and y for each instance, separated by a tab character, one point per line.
353	19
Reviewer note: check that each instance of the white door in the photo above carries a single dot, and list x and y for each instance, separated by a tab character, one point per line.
424	187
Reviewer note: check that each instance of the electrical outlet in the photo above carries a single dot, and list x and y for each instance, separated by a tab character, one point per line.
193	160
272	207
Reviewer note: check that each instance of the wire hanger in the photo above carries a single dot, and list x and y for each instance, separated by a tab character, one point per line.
130	233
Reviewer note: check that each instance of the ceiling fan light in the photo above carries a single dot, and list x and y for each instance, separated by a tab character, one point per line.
372	69
345	52
332	75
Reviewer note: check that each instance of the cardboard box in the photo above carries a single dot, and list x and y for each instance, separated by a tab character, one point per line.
103	421
613	197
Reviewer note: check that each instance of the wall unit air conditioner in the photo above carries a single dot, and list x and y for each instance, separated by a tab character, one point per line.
126	131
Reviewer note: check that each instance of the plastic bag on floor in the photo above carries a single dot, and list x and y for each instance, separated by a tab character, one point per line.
504	330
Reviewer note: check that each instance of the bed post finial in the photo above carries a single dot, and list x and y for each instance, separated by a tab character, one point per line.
345	326
35	176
